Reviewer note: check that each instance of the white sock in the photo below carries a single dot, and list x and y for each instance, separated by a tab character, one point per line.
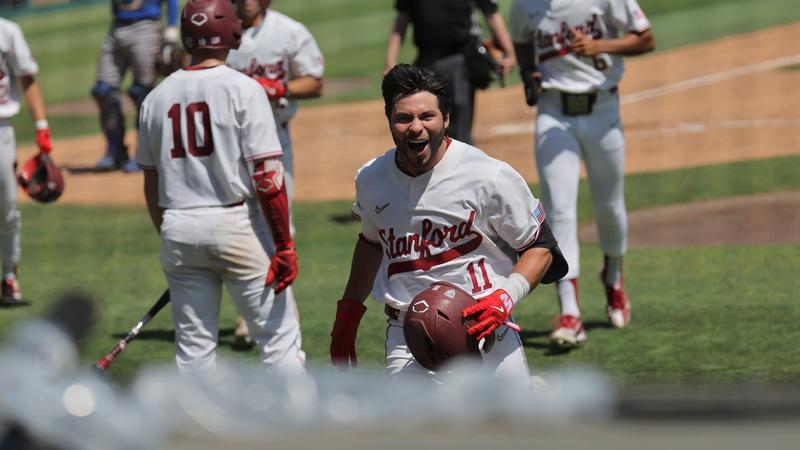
613	270
568	296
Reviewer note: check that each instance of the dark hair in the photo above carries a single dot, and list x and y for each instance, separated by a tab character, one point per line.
405	79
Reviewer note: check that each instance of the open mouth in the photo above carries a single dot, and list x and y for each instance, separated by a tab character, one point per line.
417	145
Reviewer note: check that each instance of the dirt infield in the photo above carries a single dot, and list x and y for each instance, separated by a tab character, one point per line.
721	101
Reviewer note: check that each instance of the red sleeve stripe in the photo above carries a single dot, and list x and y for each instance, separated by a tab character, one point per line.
265	155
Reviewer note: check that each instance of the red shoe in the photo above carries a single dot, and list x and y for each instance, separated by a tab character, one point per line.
618	305
567	332
9	291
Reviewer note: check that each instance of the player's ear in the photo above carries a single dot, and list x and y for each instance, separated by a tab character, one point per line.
446	120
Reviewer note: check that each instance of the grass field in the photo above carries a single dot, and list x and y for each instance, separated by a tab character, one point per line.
66	41
702	312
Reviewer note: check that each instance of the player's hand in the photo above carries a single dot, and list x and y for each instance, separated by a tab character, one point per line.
43	140
275	89
171	35
493	310
282	269
343	337
583	44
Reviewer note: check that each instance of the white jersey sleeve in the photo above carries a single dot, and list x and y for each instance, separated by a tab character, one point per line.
15	61
259	136
514	213
628	16
369	230
306	59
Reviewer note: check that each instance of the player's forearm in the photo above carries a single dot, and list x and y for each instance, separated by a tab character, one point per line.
151	198
33	97
500	33
363	269
271	192
631	44
396	37
533	264
305	87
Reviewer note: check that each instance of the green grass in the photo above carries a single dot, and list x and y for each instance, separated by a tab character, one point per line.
352	35
710	313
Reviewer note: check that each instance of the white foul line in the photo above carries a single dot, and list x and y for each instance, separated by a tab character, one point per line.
528	127
708	79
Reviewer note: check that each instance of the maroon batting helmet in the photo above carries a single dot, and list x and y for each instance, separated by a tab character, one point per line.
41	178
210	24
433	327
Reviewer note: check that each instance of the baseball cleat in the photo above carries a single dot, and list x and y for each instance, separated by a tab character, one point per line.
618	306
9	291
568	332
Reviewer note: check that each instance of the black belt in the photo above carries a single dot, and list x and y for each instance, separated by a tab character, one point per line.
393	313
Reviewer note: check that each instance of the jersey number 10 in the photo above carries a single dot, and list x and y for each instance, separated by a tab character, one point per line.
192	109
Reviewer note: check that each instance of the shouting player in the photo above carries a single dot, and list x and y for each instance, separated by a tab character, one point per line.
579	47
436	209
282	55
207	144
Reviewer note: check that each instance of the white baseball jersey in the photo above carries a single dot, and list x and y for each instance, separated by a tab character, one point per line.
15	61
199	128
547	24
279	48
461	222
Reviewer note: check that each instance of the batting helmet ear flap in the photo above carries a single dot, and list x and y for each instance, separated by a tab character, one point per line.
41	179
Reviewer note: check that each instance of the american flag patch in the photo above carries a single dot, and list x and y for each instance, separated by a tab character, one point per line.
538	213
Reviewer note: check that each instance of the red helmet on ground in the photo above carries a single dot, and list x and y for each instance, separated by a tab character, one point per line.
41	178
210	24
433	327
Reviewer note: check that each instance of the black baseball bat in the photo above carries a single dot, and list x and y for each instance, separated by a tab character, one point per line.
102	364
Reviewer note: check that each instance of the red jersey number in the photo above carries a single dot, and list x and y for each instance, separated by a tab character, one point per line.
192	110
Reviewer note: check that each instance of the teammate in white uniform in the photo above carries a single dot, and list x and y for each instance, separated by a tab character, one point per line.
437	209
282	55
16	64
574	49
207	143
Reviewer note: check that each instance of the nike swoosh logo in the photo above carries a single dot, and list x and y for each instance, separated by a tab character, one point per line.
499	309
379	209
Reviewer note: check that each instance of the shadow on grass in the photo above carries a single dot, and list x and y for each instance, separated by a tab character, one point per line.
342	219
14	304
539	339
151	335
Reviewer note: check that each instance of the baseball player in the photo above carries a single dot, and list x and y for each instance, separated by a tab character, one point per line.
437	209
282	55
16	64
208	143
133	41
570	54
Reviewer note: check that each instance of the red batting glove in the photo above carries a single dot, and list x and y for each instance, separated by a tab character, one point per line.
493	310
282	269
43	140
275	89
343	337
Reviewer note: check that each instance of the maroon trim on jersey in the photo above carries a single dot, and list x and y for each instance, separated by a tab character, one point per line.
555	53
266	155
530	245
425	264
199	67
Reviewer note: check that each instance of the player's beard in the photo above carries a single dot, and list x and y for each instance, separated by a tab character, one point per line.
416	162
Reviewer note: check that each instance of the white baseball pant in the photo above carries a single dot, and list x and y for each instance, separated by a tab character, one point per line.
204	248
10	248
561	142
